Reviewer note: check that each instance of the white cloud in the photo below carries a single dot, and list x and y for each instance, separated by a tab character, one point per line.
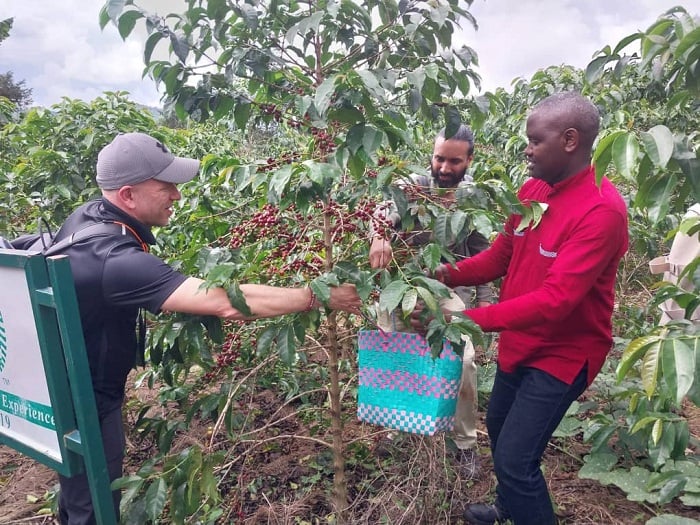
516	38
59	50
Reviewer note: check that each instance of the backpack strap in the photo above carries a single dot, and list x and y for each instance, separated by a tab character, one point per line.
99	229
5	244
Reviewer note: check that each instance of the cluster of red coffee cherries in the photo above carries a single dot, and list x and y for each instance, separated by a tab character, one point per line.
274	163
293	238
323	140
230	352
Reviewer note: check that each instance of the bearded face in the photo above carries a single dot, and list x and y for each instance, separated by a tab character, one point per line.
451	159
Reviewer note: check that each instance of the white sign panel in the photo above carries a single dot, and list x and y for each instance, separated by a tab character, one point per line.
26	414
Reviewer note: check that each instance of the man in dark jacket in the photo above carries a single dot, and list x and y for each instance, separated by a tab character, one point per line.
115	276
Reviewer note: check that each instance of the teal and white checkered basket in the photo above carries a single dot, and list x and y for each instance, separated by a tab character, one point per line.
401	385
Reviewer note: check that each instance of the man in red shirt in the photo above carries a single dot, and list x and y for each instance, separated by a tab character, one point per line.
556	302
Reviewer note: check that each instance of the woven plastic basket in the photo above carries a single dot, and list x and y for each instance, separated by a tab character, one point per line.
401	385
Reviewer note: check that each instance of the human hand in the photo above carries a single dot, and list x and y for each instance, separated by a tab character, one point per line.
442	274
380	253
483	304
420	319
345	298
418	322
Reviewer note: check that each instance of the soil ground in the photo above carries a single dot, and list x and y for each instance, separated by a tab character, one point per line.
24	484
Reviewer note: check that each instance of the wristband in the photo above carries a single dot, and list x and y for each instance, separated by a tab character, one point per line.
312	300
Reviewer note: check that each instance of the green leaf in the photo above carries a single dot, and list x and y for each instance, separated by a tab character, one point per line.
673	519
603	153
672	489
691	500
595	464
324	94
150	45
661	443
453	120
634	483
650	368
459	223
114	9
193	467
625	151
372	139
538	211
657	430
214	328
658	144
322	286
643	423
180	47
431	255
595	68
634	351
659	196
441	229
428	298
155	499
221	273
355	137
224	103
249	14
416	78
266	339
127	22
103	18
690	41
678	366
371	83
347	272
531	215
286	345
279	182
235	295
241	113
408	303
217	9
392	295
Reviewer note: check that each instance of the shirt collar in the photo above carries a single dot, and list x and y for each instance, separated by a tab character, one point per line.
575	179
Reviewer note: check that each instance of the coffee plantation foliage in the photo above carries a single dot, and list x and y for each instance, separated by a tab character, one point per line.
304	114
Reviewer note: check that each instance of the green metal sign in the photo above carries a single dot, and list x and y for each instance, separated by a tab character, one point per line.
47	406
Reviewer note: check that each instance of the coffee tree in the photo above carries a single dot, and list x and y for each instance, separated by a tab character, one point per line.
356	85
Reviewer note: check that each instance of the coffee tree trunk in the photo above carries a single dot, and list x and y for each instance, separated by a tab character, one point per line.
340	489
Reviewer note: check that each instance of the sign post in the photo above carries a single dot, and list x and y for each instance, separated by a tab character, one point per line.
47	405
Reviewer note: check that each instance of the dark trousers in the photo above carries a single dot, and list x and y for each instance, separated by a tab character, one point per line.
524	411
75	502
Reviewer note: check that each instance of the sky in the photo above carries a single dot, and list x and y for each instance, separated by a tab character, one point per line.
58	49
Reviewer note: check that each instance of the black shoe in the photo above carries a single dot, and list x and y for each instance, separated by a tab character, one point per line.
484	514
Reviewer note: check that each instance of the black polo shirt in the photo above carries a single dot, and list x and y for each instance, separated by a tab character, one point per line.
114	277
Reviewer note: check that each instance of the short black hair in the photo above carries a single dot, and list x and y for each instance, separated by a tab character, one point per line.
463	134
573	111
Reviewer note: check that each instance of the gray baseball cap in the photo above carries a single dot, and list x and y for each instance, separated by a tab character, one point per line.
136	157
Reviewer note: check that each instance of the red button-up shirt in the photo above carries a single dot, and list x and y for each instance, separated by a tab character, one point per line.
558	291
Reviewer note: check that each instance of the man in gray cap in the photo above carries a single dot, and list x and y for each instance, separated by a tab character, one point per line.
115	276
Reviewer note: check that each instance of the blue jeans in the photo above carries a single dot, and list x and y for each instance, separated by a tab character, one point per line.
524	411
